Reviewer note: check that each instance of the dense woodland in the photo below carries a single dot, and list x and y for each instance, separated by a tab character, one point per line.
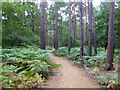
88	35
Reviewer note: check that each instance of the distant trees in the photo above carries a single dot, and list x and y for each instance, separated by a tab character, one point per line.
43	25
69	26
110	47
81	28
23	23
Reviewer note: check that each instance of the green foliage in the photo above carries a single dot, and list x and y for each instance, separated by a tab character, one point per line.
9	79
62	52
17	26
30	66
48	48
102	25
109	81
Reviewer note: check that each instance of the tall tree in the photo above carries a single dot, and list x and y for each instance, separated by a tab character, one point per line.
81	28
50	38
69	26
65	20
95	46
86	20
61	30
74	25
42	25
56	27
90	29
0	27
110	47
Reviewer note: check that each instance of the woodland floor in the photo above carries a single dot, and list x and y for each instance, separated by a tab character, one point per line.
69	76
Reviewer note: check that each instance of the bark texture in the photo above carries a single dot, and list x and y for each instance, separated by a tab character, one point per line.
42	25
86	20
110	37
74	25
90	30
69	26
56	27
81	29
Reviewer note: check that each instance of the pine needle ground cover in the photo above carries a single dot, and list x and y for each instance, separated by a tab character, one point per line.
25	67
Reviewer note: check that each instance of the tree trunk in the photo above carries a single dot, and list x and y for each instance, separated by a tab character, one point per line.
69	26
86	20
54	34
61	31
90	29
42	25
24	14
110	47
56	27
46	31
50	39
81	28
65	23
74	26
95	46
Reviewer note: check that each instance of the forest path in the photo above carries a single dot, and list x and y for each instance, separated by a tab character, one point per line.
69	76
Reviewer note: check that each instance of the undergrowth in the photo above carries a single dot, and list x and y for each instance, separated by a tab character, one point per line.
25	67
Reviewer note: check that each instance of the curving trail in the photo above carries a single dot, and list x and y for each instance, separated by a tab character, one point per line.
69	76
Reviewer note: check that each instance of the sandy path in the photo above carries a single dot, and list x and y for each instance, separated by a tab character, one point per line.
69	76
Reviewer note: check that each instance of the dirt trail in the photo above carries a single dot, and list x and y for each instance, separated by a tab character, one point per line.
69	76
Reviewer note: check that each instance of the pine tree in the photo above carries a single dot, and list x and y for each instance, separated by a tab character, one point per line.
110	47
42	25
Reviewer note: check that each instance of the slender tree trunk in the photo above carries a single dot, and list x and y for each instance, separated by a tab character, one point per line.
95	46
81	28
74	26
46	37
65	23
1	29
61	31
50	39
110	47
46	31
86	21
69	26
54	34
24	14
90	30
56	27
54	38
42	25
88	9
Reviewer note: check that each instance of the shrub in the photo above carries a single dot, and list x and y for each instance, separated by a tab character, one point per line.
62	52
109	81
48	48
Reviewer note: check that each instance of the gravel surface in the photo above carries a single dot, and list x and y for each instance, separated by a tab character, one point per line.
69	76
